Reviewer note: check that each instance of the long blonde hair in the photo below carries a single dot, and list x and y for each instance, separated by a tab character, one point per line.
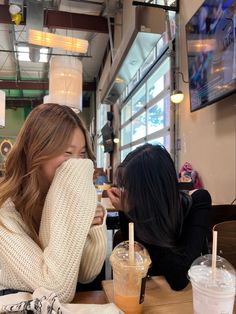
44	135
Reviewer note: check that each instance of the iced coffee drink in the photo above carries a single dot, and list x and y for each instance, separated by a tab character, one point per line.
129	279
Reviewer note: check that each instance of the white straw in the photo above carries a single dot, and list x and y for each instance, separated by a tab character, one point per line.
131	243
214	252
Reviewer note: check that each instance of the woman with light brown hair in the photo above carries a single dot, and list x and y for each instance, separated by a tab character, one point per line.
52	233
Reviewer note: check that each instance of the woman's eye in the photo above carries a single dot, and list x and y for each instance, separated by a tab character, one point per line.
68	153
82	155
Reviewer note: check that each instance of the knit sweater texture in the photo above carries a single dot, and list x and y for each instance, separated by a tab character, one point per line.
71	250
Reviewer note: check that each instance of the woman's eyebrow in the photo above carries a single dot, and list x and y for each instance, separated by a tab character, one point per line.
74	146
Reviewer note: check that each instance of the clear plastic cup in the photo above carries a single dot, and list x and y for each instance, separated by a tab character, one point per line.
212	294
129	279
99	195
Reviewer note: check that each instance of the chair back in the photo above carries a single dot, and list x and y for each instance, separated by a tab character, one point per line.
226	240
220	213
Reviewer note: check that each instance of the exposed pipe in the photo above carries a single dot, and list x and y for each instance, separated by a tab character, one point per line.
110	38
48	54
160	6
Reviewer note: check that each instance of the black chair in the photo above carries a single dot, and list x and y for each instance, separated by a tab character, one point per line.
226	240
113	221
220	213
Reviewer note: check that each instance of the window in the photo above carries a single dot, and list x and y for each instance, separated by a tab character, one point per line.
23	54
101	121
139	100
126	134
139	127
126	112
145	116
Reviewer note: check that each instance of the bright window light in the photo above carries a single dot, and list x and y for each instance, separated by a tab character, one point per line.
43	55
23	54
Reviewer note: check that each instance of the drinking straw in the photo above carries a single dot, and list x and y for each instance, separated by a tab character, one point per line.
214	251
131	243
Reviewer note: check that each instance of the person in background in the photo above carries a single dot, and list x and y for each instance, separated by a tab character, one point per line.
172	225
52	233
100	176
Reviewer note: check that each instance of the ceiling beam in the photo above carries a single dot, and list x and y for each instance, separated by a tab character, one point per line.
63	20
75	21
23	102
38	85
31	102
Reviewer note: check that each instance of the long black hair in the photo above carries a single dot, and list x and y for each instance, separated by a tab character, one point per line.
150	195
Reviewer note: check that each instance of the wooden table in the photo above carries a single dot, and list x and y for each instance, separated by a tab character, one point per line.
90	297
159	298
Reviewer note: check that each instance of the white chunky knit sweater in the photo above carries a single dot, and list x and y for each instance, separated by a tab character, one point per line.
72	250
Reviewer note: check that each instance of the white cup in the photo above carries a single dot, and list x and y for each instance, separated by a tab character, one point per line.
212	294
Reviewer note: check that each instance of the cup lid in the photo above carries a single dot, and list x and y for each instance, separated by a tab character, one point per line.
201	272
120	255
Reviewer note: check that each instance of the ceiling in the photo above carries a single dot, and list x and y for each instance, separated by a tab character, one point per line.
26	82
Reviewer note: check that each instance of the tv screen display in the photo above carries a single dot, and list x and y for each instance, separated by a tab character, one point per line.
211	48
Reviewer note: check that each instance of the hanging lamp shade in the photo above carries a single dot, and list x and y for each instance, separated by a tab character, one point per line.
51	40
65	82
2	108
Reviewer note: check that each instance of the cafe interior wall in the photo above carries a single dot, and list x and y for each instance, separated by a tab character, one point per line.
208	136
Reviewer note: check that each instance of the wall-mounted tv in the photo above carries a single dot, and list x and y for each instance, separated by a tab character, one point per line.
211	49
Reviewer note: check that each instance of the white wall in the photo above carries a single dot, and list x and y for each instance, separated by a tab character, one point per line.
208	136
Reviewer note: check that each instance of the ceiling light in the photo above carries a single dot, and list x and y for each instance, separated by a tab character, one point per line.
119	80
65	82
57	41
177	96
14	9
16	12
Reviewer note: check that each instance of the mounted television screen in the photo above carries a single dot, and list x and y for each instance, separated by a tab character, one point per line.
211	48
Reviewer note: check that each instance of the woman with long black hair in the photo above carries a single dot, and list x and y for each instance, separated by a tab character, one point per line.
171	224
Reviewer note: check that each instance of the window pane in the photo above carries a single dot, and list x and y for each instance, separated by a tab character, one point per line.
159	80
133	82
124	153
147	63
156	117
135	146
164	140
139	127
138	100
100	155
102	116
126	135
159	115
126	112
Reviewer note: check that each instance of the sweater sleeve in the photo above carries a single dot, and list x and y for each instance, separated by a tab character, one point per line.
64	232
95	250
